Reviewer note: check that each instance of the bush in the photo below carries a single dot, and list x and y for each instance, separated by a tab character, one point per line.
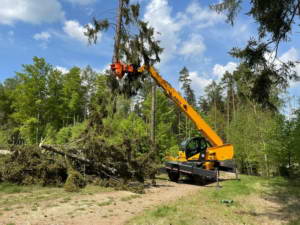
74	182
28	165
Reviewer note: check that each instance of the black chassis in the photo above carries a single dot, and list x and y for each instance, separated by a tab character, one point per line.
192	168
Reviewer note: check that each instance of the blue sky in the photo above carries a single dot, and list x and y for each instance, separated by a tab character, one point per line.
191	34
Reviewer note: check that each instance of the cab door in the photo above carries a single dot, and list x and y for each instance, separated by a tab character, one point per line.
194	146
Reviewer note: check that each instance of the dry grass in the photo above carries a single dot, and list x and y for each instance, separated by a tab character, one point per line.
21	196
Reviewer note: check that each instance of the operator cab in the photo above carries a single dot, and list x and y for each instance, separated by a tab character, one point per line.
194	146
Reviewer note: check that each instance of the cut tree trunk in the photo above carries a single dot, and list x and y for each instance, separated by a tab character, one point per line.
153	109
118	33
108	171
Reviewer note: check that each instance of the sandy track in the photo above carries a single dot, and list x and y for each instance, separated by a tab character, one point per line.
111	208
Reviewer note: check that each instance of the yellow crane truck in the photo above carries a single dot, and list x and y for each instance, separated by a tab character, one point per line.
201	156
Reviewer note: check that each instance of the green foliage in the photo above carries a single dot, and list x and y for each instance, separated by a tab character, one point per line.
135	44
4	138
262	138
79	110
274	18
74	182
256	151
40	101
9	188
275	24
250	196
185	80
264	75
27	165
162	211
63	135
165	120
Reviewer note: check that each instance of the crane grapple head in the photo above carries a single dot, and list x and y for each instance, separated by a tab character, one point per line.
119	69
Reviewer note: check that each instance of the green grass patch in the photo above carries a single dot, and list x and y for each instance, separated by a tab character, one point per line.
207	207
231	189
131	197
12	194
106	203
7	209
163	211
8	188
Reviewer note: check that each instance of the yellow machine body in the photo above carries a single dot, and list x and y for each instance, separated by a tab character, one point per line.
218	150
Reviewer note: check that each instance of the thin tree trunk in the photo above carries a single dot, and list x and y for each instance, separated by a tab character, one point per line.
37	129
267	165
215	103
186	127
118	33
153	125
233	104
153	111
228	115
179	124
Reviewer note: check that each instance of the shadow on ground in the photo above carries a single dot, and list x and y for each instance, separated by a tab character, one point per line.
287	194
284	198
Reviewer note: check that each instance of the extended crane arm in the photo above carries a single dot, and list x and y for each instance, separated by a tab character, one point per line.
120	69
219	151
194	116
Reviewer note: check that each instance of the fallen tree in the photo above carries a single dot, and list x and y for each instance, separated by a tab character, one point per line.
113	148
115	145
27	165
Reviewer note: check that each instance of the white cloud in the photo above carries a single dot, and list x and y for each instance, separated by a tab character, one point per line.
219	70
74	30
199	82
171	28
203	17
82	2
30	11
193	46
62	69
158	13
292	55
43	36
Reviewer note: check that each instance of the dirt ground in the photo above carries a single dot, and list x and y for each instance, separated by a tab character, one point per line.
111	208
117	207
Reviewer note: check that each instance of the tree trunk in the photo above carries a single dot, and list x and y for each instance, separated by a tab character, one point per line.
233	103
228	114
153	111
267	166
179	125
215	104
153	125
118	33
186	127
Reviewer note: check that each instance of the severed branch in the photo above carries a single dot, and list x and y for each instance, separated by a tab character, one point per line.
60	152
110	171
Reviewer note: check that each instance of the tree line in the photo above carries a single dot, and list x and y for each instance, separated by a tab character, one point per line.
42	103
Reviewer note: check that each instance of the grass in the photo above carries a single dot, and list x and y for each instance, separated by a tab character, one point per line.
8	188
131	197
106	203
207	207
13	194
163	211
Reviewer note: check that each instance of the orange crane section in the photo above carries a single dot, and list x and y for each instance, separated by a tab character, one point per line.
218	150
194	116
